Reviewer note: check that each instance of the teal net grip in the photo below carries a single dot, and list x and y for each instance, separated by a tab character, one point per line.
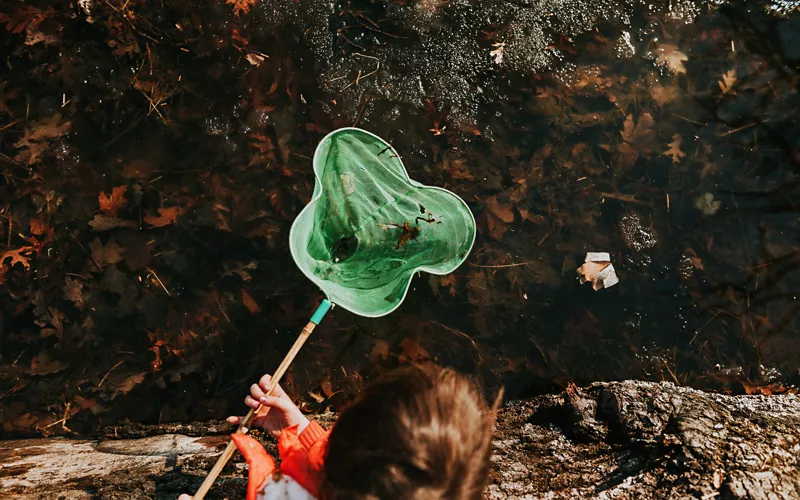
321	311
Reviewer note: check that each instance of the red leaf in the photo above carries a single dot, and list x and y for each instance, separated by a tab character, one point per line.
111	205
166	216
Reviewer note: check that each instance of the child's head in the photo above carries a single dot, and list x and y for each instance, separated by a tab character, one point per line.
417	433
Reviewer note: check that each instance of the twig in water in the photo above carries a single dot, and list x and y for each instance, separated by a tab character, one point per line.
502	266
360	77
63	420
361	110
670	372
99	268
109	372
159	280
10	124
461	334
626	198
339	33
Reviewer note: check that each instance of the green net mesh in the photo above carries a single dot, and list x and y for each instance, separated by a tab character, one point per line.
369	228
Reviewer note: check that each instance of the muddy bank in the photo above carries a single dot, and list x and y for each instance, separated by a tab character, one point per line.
608	440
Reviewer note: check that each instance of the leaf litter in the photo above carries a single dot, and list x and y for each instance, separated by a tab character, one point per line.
137	205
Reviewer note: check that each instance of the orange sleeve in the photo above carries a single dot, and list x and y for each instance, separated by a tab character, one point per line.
311	434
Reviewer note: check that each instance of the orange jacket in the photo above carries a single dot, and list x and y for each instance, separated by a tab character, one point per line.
302	457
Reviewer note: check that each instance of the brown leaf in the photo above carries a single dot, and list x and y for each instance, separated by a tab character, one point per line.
104	223
640	134
380	350
73	292
241	6
662	94
138	250
166	217
727	82
413	352
503	211
675	149
38	227
43	364
250	303
112	204
697	262
254	59
27	17
241	270
671	58
38	135
111	253
126	384
18	256
498	216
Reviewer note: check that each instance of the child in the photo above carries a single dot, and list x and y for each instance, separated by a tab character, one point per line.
416	433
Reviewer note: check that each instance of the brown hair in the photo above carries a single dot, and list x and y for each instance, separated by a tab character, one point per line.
416	433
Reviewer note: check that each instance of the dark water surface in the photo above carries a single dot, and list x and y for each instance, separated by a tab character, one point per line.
667	136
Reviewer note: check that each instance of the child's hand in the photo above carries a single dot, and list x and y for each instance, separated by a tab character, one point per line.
277	411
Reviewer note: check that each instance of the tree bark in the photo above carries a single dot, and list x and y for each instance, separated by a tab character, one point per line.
609	440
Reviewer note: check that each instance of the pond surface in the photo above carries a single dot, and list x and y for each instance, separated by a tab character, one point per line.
154	158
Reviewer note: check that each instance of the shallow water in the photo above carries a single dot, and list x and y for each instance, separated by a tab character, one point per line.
667	137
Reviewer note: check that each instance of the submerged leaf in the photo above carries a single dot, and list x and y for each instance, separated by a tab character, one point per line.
112	204
166	216
111	253
250	303
241	6
675	149
728	79
671	58
18	256
104	223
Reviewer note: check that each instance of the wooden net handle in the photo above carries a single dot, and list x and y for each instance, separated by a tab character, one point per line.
244	426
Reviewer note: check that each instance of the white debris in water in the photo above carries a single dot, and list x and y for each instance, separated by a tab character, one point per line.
598	269
706	204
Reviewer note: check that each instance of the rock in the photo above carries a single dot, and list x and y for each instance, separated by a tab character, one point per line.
647	440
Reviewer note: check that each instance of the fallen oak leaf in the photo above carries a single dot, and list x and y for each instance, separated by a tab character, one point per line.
38	135
675	149
728	79
166	217
73	291
19	256
241	6
112	204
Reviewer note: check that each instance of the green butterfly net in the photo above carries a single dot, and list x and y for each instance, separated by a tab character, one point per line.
369	227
